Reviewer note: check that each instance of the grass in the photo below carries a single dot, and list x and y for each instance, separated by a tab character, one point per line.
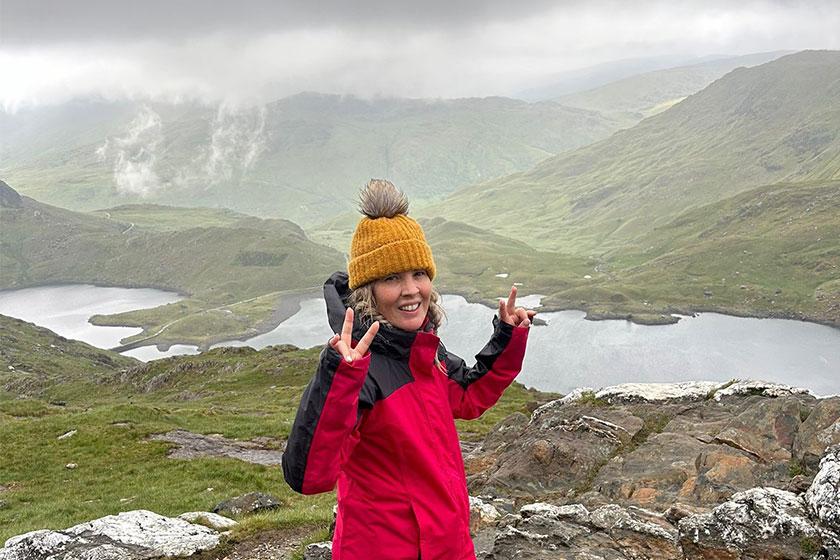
237	392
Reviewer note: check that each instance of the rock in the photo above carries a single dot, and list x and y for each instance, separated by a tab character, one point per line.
247	503
71	433
559	450
318	551
70	466
482	514
820	430
658	392
192	445
755	523
548	531
762	388
766	429
680	511
138	534
212	520
823	497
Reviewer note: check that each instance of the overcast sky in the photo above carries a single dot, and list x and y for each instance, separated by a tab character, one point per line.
217	50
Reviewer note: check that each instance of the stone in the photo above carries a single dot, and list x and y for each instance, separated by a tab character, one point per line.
820	430
71	433
208	519
133	535
823	497
756	387
247	503
658	392
318	551
482	514
191	445
755	523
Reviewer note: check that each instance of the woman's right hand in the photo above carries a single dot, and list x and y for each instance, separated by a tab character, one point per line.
342	343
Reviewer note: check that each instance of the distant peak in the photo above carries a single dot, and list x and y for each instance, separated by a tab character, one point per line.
9	197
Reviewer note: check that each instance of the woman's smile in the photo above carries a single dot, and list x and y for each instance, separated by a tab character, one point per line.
403	298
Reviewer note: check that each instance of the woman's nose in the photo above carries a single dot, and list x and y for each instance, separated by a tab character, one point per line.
409	286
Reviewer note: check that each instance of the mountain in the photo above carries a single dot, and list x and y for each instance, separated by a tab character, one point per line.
776	122
247	256
636	97
590	77
302	158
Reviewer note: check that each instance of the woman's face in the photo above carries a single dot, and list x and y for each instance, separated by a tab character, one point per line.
403	298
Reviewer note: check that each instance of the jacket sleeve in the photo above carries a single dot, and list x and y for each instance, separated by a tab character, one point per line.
325	430
472	390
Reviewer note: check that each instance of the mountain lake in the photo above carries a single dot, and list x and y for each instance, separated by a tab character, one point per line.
566	353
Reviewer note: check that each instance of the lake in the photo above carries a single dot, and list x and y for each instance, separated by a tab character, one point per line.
568	352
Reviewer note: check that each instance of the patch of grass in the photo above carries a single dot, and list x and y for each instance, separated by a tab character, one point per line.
589	398
796	468
809	545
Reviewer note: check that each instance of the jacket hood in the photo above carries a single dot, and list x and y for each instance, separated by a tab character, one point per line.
389	340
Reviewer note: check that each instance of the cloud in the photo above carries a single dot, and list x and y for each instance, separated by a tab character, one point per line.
135	154
218	52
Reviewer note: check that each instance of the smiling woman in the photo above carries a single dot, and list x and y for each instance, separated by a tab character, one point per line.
378	417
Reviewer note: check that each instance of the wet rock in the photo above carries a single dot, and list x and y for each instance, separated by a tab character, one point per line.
482	514
132	535
247	503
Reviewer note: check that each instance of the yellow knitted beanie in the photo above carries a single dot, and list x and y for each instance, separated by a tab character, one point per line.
386	240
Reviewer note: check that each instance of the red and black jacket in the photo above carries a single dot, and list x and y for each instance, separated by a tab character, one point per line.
383	429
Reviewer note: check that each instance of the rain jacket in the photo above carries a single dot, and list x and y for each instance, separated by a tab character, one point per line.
383	429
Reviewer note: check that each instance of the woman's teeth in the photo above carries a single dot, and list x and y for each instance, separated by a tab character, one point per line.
411	307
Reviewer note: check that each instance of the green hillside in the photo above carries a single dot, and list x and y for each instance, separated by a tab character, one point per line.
236	270
755	126
643	95
301	158
236	392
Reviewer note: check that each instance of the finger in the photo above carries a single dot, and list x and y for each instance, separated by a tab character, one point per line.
364	343
334	340
503	311
521	314
344	349
525	324
511	302
347	328
531	313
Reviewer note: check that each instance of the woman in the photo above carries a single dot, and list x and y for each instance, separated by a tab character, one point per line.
378	416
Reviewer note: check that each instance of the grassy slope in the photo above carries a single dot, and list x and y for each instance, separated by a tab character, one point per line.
312	151
236	270
755	126
237	392
643	95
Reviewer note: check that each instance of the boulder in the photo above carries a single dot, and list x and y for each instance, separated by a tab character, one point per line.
318	551
132	535
823	497
755	523
820	430
247	503
212	520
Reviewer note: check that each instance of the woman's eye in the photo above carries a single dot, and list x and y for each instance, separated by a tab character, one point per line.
419	273
391	278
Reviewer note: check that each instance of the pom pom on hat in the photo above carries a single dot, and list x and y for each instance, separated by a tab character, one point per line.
386	240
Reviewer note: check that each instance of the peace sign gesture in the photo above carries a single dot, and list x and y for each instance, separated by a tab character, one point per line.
512	315
342	343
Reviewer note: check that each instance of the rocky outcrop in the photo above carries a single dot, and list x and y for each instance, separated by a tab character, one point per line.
190	445
132	535
655	446
680	472
252	502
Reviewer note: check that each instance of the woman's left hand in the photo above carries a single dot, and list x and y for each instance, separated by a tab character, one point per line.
512	315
